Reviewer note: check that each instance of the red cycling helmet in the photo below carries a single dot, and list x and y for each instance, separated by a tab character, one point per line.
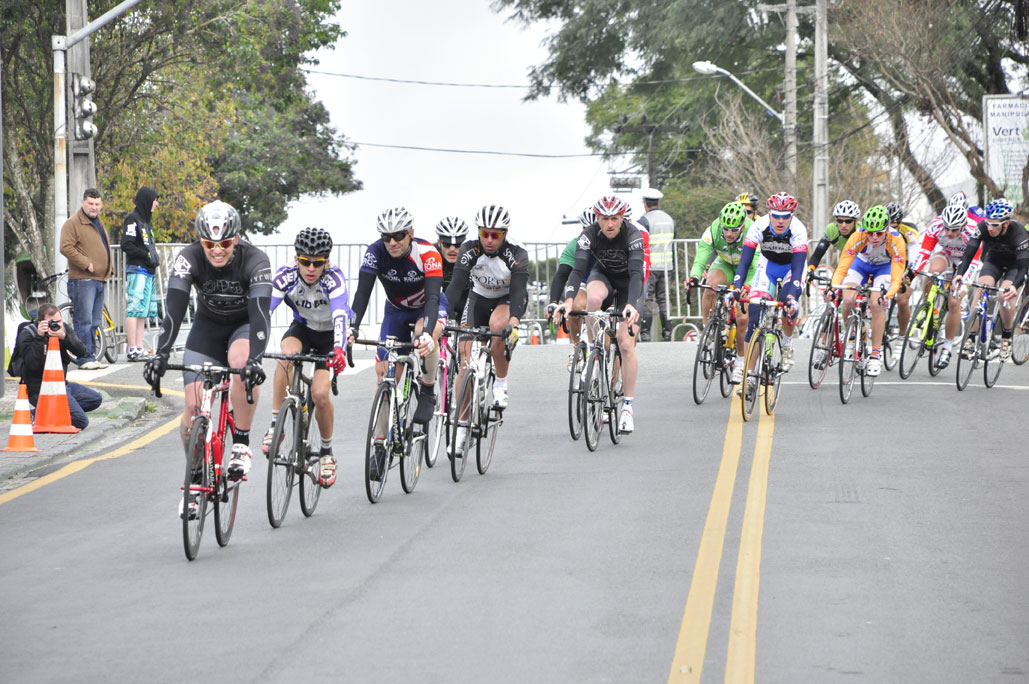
783	201
609	205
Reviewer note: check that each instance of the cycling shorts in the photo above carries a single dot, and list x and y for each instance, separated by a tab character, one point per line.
997	269
730	271
767	275
479	309
208	342
617	290
312	341
398	323
861	271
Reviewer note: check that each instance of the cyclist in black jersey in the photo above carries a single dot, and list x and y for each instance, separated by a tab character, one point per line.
451	232
233	286
1005	259
617	245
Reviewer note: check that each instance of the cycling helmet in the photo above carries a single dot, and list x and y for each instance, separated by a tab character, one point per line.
452	228
394	220
314	242
587	218
217	221
959	199
876	219
732	215
847	209
895	212
783	201
609	205
493	216
747	199
999	210
954	216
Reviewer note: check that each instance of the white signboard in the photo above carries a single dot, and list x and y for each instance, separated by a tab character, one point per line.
1006	128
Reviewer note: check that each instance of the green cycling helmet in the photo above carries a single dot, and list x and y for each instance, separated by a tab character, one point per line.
876	219
732	215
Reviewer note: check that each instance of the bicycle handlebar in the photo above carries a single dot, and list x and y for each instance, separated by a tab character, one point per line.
207	370
298	359
610	313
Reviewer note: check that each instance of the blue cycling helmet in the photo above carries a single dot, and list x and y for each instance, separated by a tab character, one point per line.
999	210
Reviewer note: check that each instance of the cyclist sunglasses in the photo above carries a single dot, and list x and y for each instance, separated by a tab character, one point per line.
317	262
224	244
844	221
451	243
394	237
995	224
492	234
781	214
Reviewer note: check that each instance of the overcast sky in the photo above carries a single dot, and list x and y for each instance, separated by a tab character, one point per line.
460	41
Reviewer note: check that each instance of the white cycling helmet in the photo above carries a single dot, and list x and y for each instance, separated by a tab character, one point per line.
217	221
394	220
954	216
847	209
452	228
493	216
959	199
587	218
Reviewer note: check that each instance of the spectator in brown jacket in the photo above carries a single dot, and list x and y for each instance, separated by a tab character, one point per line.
85	244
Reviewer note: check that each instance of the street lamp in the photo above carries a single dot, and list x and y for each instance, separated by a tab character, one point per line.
709	69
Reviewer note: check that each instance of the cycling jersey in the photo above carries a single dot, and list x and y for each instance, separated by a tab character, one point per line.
787	249
321	306
622	256
235	294
911	237
1008	252
938	241
448	272
832	238
892	252
412	282
503	274
714	247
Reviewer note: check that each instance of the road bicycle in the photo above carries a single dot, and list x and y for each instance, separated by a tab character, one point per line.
105	337
981	344
921	335
438	429
857	344
716	350
1020	338
602	383
826	340
207	481
576	377
294	456
764	358
393	436
473	405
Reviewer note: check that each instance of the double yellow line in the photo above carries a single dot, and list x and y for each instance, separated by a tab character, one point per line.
691	647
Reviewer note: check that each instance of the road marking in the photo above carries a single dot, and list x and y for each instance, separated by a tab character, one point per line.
688	661
941	383
742	651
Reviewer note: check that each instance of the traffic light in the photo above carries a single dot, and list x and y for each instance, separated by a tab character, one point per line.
83	108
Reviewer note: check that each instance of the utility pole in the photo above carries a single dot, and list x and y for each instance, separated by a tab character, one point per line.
3	247
81	159
820	133
650	129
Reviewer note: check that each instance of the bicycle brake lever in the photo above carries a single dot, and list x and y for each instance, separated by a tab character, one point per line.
157	388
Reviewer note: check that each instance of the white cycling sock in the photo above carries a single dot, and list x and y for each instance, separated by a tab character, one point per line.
500	383
787	340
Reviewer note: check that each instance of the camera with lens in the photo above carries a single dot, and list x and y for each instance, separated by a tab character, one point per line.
54	326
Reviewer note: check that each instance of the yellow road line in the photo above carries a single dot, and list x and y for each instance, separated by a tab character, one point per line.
688	661
742	652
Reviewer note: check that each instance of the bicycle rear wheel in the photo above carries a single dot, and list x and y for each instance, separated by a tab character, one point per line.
1020	341
411	454
281	460
436	430
968	355
914	339
890	356
575	380
823	345
726	361
772	371
378	443
193	526
752	377
466	398
849	359
309	455
593	401
704	361
991	356
867	381
615	393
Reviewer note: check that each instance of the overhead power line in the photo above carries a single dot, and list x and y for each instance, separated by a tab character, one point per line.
492	152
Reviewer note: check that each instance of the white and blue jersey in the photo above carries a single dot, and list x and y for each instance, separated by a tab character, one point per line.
322	306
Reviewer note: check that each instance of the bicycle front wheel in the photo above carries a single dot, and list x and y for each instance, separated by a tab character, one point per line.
464	415
615	393
575	380
890	355
281	463
991	356
487	442
195	492
309	456
914	338
867	381
772	371
435	431
823	345
411	454
593	401
968	356
1020	341
850	358
704	361
379	443
752	377
727	359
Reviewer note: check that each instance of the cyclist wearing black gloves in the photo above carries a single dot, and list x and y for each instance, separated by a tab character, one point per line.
233	286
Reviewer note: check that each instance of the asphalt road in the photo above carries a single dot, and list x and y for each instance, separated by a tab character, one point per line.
881	541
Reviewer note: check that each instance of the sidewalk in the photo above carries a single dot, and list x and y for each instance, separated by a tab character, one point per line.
131	408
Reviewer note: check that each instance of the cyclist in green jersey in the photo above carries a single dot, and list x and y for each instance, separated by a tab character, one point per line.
846	215
565	264
721	246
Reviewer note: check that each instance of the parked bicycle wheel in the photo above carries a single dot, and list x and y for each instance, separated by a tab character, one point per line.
226	495
593	401
1020	341
99	339
849	359
772	371
704	360
466	398
914	339
615	393
309	456
575	380
193	525
823	343
281	459
968	355
378	443
752	378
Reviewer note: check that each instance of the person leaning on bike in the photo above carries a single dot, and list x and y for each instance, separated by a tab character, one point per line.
317	293
233	286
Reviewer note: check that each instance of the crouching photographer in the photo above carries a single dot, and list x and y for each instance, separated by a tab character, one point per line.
29	358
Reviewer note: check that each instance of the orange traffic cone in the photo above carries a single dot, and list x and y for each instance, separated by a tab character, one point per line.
52	412
21	428
562	336
535	339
